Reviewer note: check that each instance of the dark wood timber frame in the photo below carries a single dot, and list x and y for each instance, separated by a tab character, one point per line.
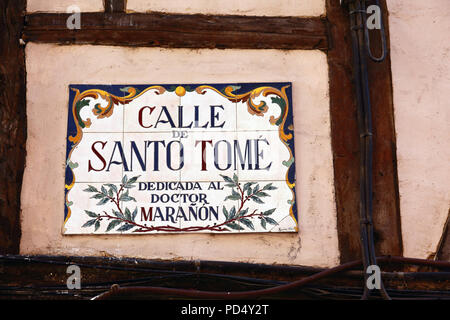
13	120
116	27
345	142
180	31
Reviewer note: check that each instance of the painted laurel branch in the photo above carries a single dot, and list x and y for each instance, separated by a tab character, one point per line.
125	219
240	218
235	219
80	101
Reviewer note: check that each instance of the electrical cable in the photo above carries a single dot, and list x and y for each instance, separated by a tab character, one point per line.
252	294
360	48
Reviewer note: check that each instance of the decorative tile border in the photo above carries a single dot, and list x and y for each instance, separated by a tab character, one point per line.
180	158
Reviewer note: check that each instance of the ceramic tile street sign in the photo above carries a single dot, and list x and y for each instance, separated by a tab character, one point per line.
180	158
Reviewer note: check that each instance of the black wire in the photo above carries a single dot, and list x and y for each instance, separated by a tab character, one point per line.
315	291
358	22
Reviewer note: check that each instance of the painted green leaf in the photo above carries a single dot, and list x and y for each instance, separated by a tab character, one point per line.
227	179
271	221
269	187
118	214
235	197
247	185
263	224
97	225
225	212
127	214
126	227
243	212
103	201
112	186
235	178
126	198
235	193
124	179
134	214
91	214
89	223
98	196
91	189
269	212
104	191
257	200
234	225
232	212
247	222
113	224
262	194
133	180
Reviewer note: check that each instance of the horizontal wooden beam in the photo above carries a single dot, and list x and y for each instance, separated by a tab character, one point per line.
179	31
45	277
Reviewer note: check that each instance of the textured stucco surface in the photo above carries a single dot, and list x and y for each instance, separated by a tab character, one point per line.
421	81
51	68
62	5
247	7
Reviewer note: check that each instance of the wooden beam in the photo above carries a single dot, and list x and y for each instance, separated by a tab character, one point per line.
13	129
115	5
45	276
386	199
443	249
345	142
180	31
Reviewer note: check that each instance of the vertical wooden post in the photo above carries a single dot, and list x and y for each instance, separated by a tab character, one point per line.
13	125
345	142
114	6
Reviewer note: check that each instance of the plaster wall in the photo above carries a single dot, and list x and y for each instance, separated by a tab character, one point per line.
51	68
420	49
248	7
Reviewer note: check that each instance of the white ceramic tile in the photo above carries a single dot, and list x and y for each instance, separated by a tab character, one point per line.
152	111
271	205
205	213
86	161
247	120
111	122
157	206
268	156
286	224
81	200
216	160
185	178
207	110
160	154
